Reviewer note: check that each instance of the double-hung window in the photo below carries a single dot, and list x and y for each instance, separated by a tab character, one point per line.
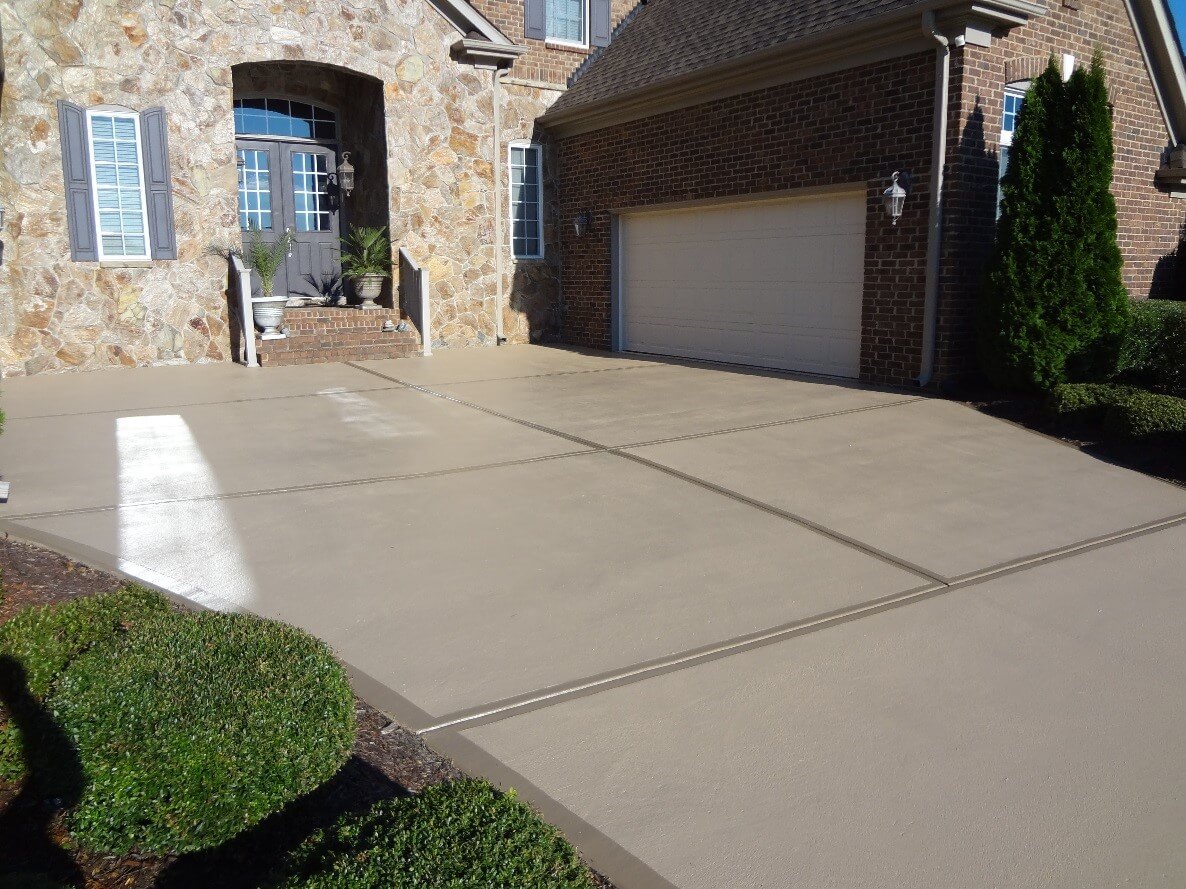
527	200
118	175
568	22
115	168
1014	101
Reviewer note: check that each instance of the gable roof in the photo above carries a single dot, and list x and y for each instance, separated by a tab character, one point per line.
677	53
666	38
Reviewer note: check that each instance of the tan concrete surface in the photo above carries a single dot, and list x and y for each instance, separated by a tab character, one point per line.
450	366
335	435
665	401
463	589
148	388
934	483
1027	732
1022	732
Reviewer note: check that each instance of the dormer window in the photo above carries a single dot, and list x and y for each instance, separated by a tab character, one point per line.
568	22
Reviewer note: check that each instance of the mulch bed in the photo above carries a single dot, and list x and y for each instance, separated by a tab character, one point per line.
1160	460
384	765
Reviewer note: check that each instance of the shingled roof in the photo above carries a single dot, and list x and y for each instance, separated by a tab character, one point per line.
667	38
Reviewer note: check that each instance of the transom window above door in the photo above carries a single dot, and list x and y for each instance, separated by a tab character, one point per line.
284	118
567	21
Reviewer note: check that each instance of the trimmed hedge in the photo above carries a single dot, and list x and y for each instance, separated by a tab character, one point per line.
195	727
460	835
46	639
1147	415
1154	351
1122	412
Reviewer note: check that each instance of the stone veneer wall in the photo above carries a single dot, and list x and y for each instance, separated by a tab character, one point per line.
56	314
1150	221
855	126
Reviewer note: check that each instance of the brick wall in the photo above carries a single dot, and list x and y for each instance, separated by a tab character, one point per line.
856	126
542	62
1150	222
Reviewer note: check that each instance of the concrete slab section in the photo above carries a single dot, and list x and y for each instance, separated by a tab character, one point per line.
148	388
934	483
505	362
108	458
665	401
464	589
1025	732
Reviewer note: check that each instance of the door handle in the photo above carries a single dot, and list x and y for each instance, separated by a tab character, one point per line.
288	231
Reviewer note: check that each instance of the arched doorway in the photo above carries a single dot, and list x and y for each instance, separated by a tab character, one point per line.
293	121
287	153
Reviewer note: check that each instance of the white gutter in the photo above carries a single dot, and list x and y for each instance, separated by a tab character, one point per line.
935	227
496	79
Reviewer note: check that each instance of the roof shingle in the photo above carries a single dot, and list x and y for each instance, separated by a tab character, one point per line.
667	38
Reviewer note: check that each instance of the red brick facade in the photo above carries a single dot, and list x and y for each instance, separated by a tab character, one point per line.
853	127
1150	222
542	62
858	126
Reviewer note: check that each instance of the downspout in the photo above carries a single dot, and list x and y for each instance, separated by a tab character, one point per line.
496	80
930	316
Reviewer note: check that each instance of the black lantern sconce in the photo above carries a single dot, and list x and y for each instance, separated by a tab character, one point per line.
582	222
894	197
346	174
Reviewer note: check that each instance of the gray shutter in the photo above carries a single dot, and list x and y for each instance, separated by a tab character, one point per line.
76	171
157	186
535	19
600	22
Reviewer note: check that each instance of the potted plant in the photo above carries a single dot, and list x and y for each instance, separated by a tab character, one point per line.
366	261
266	258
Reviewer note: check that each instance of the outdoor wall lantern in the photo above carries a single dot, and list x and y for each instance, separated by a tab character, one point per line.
581	223
346	174
894	197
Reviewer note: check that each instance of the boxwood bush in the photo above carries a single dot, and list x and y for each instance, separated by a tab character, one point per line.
461	834
1154	351
45	640
194	727
1148	415
1121	412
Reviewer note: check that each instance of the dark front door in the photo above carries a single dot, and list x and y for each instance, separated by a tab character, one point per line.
292	186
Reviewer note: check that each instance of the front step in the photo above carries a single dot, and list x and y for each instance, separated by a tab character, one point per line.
319	334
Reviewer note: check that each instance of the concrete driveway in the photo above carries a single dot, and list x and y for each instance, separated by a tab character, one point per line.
725	628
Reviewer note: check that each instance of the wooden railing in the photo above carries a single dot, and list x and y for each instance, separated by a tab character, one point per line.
241	288
413	289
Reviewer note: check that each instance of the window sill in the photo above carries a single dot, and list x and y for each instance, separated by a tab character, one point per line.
581	48
529	259
125	263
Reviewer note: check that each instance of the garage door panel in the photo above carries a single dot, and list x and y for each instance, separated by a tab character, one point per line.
775	284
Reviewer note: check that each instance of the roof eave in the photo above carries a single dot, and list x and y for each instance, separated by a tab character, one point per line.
1163	58
468	21
868	40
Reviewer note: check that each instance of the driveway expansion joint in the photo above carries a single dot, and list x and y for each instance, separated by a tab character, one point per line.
516	706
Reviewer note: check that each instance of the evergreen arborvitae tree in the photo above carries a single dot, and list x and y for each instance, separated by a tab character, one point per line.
1054	305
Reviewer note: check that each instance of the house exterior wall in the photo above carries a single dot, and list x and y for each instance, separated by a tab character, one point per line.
855	126
1150	222
56	314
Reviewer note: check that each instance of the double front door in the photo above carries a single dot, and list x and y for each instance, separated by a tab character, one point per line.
292	186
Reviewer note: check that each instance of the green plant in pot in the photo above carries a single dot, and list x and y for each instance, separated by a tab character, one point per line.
266	258
366	261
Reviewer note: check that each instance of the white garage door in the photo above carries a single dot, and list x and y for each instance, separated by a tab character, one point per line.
773	284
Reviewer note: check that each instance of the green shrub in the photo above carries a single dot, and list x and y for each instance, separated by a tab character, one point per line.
1147	415
461	834
45	640
1154	351
196	726
1087	403
1054	306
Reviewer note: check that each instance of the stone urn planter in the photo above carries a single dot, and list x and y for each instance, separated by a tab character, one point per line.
369	287
268	312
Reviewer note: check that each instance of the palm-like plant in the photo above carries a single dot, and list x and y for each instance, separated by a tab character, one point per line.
267	258
366	251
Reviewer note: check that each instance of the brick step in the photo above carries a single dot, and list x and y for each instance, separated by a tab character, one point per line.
321	334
